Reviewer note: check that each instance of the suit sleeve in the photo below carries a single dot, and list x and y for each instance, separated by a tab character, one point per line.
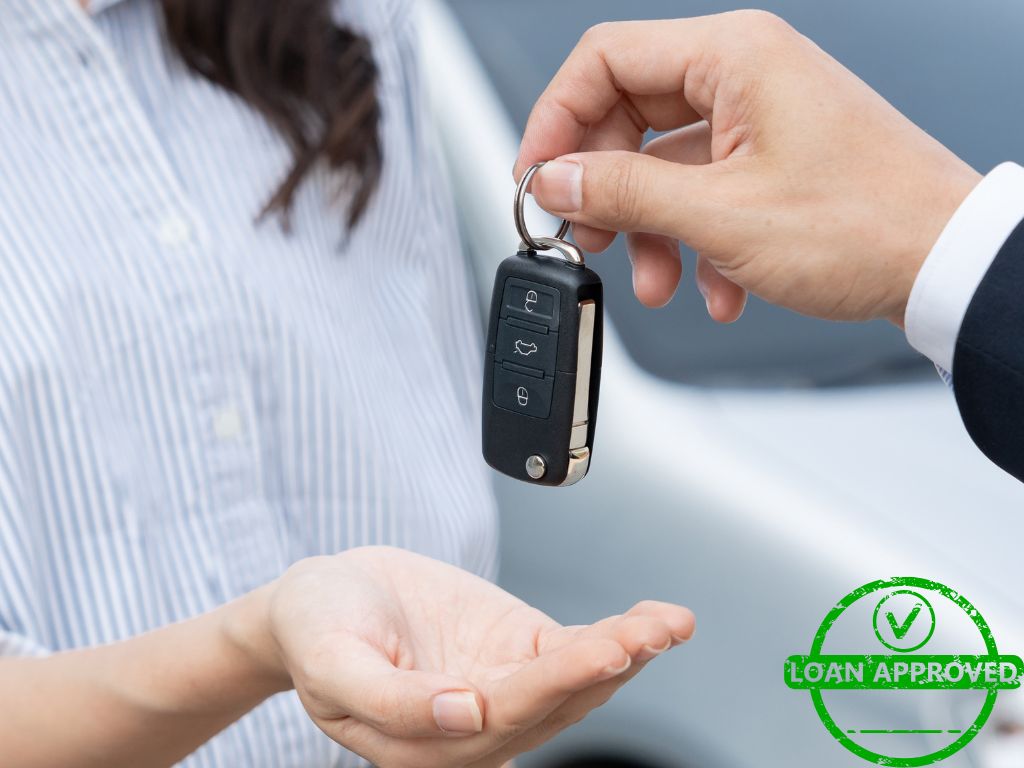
988	362
966	313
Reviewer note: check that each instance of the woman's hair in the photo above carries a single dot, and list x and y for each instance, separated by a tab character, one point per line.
312	79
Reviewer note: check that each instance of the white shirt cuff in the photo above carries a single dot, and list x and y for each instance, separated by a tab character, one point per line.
959	260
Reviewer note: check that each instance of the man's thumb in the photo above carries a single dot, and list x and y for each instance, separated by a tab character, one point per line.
623	191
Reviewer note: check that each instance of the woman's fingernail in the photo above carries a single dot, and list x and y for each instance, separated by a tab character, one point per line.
558	186
609	672
647	652
457	713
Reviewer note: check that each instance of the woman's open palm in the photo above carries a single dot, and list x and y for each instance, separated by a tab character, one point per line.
411	662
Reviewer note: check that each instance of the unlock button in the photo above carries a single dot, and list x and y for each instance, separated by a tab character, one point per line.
522	393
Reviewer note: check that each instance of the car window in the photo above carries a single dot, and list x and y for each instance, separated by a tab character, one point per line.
955	70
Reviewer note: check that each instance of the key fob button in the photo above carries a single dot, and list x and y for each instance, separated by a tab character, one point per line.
522	393
521	346
533	302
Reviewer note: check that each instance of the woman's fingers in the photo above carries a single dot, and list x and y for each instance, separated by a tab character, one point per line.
676	622
571	711
515	706
647	626
535	689
576	669
680	620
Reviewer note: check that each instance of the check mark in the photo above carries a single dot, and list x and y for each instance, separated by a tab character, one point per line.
899	631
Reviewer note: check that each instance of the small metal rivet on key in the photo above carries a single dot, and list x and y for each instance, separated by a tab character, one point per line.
543	367
535	467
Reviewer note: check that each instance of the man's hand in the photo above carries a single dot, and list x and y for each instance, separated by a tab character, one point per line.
411	662
788	175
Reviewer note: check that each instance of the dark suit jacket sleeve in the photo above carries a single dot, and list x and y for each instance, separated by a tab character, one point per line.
988	363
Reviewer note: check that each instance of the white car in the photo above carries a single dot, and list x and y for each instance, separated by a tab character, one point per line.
756	502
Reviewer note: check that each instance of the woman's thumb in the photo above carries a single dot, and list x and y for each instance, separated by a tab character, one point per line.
361	682
410	704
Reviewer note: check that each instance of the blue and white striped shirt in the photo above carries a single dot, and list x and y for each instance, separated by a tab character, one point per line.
189	401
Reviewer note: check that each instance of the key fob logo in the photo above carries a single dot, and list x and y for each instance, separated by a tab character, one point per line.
522	396
525	348
531	299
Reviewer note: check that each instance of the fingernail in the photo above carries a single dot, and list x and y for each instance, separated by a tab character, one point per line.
609	672
457	713
561	186
647	652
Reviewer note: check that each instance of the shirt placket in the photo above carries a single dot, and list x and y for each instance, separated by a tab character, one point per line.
236	529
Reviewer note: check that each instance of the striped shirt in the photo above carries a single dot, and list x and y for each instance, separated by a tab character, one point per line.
190	401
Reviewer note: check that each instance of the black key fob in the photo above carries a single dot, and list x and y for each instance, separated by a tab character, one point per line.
543	366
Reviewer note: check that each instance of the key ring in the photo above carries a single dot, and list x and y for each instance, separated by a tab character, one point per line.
570	251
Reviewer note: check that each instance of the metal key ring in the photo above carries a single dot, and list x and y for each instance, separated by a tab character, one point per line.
572	253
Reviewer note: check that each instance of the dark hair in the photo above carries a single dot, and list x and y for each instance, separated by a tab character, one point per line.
313	80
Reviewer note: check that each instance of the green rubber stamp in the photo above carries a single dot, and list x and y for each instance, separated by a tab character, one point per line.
904	615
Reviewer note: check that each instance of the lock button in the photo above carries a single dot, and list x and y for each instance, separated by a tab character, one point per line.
519	391
530	301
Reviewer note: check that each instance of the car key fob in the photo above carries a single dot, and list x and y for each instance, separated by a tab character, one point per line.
543	365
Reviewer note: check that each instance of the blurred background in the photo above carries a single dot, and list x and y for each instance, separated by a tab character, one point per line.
760	471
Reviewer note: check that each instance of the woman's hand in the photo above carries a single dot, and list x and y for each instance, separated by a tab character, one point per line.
411	662
407	661
787	174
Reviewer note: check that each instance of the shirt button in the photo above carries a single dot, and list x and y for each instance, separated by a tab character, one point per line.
175	231
227	423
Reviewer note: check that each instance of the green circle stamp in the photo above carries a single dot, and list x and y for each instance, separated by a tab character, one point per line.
904	615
